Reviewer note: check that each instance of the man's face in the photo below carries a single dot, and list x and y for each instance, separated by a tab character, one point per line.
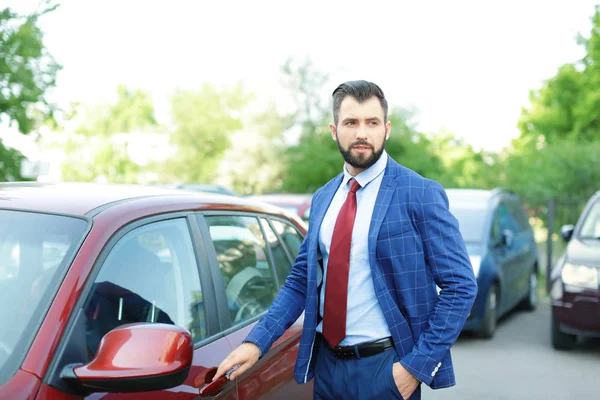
360	133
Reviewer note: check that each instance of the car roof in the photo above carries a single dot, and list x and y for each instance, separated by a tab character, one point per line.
81	198
470	198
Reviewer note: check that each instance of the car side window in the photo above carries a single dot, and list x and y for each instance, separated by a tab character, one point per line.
500	222
281	261
503	219
241	252
518	220
150	275
290	236
514	215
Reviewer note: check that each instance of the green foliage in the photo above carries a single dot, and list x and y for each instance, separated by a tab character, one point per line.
558	153
97	149
567	106
313	161
203	121
133	110
27	70
254	160
410	148
565	170
92	159
10	164
462	166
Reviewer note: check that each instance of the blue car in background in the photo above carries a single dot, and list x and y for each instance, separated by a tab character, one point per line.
503	253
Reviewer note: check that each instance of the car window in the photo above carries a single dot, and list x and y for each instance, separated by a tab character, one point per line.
503	219
518	216
281	260
289	235
591	225
499	223
241	251
35	252
150	275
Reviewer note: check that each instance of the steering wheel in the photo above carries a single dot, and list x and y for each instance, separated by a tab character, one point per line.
248	310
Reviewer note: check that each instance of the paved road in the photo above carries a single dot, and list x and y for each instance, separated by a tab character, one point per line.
520	363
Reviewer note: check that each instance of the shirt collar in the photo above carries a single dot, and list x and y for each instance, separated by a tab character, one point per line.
368	174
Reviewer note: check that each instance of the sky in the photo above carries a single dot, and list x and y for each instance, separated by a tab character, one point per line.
465	66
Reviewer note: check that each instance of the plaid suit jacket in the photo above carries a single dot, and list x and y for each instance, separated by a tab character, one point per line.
414	245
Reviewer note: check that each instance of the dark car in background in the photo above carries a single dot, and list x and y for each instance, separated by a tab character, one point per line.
575	280
117	288
503	253
298	204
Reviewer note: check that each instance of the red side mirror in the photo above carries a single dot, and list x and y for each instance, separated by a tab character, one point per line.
136	357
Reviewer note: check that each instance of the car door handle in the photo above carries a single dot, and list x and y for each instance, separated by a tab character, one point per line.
211	388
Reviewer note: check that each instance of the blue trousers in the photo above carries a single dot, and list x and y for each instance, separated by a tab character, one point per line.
368	378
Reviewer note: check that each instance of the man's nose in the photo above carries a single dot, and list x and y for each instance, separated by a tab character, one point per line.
361	132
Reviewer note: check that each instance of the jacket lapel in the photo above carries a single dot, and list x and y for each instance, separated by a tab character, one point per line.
382	203
320	210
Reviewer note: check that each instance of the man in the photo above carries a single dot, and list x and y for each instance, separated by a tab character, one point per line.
380	239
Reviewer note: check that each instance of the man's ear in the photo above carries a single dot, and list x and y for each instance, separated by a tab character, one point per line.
388	129
333	130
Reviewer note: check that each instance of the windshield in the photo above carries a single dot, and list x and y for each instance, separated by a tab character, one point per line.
591	226
471	223
34	249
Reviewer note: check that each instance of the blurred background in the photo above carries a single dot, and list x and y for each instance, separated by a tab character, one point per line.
235	96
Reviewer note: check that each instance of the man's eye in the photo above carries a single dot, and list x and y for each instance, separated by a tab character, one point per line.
373	123
350	123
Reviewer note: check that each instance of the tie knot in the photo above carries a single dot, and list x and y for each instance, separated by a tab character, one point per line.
354	185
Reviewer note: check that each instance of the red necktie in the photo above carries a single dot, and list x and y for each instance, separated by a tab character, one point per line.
338	266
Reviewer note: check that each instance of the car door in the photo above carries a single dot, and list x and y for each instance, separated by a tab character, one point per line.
151	273
252	263
506	255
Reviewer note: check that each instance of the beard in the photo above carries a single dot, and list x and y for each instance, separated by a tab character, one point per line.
362	161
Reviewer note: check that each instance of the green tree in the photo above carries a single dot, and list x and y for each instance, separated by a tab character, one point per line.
567	106
253	163
97	148
10	164
203	123
556	155
27	71
132	111
464	167
411	148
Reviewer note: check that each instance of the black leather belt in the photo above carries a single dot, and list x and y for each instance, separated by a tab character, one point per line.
363	349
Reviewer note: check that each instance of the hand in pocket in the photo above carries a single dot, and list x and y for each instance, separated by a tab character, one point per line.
406	383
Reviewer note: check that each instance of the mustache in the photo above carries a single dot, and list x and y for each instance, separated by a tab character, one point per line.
361	143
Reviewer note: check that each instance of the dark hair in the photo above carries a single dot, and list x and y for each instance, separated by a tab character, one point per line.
361	91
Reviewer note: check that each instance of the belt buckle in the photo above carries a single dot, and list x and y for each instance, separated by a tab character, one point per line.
340	352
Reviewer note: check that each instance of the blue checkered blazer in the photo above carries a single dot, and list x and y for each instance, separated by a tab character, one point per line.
414	244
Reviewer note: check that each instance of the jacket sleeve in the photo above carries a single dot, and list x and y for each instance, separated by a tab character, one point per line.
447	259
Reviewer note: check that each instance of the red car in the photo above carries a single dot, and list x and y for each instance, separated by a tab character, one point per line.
295	203
108	291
